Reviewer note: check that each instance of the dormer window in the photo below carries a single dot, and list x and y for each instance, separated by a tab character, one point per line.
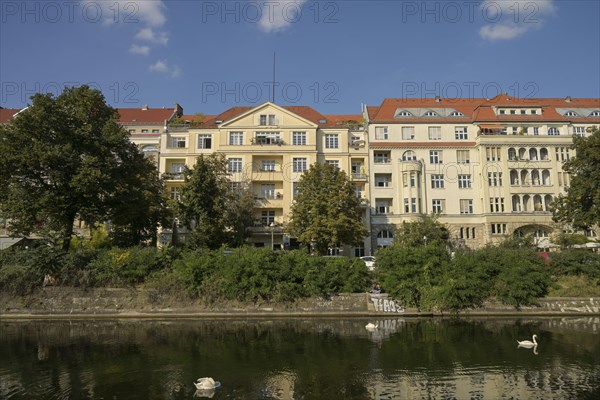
501	112
404	113
512	112
595	114
457	114
570	114
533	112
430	114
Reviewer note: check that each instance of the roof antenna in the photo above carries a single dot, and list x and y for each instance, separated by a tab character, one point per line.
273	95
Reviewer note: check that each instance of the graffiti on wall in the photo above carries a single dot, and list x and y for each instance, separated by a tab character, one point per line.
386	305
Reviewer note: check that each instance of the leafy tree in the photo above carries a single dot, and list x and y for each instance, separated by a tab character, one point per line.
327	211
426	231
567	240
65	158
581	205
215	213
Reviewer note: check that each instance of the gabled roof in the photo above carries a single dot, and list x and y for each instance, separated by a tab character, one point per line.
7	113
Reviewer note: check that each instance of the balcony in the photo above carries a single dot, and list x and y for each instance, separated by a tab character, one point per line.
173	176
382	160
267	141
269	200
359	177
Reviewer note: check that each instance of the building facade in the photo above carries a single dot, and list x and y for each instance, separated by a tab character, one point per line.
268	148
488	168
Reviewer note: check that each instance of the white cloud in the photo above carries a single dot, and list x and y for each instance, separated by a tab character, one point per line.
163	67
280	14
137	49
507	20
152	36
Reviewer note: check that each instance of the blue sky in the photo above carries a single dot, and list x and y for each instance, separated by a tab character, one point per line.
331	55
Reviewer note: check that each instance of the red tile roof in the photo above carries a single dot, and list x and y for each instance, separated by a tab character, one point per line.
7	113
145	115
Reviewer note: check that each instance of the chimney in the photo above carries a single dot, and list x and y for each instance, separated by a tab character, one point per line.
438	99
568	99
145	107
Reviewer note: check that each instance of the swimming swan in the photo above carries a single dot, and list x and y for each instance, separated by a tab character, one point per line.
370	326
527	343
206	384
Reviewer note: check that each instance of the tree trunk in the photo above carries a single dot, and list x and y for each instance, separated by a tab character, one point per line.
68	233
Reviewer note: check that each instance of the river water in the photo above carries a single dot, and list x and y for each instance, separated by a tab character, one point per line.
301	359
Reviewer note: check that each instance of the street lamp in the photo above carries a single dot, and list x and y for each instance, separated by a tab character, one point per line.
272	225
425	240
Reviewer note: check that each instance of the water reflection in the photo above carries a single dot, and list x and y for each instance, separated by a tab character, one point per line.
300	359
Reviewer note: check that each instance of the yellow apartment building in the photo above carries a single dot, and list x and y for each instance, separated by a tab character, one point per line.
269	147
488	168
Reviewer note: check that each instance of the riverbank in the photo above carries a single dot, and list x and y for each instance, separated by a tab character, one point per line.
67	302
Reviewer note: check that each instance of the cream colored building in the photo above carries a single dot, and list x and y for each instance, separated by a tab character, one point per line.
489	168
269	147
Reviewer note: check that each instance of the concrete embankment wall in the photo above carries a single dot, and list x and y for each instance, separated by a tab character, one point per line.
55	301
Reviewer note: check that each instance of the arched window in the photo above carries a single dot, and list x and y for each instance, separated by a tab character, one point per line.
409	155
571	114
533	154
525	177
514	177
512	154
546	177
403	113
537	203
457	114
543	154
516	203
535	177
522	153
547	201
430	114
526	203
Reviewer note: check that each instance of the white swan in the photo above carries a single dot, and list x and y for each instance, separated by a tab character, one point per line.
527	343
206	384
371	327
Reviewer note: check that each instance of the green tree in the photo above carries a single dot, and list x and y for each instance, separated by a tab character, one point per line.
581	205
326	212
65	158
215	213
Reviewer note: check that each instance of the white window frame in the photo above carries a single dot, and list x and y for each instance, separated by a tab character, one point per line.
299	164
464	181
408	133
437	181
204	141
299	138
178	142
435	157
381	133
236	138
234	164
434	132
461	133
466	206
332	141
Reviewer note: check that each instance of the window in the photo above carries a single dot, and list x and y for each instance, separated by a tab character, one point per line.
177	168
571	114
299	138
385	234
562	154
435	133
467	233
268	119
295	190
466	206
497	204
331	141
502	112
267	138
464	181
460	133
595	114
381	132
492	153
437	181
236	138
299	164
204	141
409	179
234	165
410	205
579	130
383	180
438	206
515	130
236	187
267	217
132	131
155	131
533	112
178	142
334	163
267	165
536	130
553	131
495	178
408	132
175	193
435	156
409	155
498	229
404	113
267	190
523	112
383	206
463	156
381	157
144	130
430	114
457	114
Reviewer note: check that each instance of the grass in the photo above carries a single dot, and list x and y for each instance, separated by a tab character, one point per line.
574	286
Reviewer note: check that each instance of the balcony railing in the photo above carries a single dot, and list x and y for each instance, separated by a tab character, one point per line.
173	176
382	160
269	141
359	176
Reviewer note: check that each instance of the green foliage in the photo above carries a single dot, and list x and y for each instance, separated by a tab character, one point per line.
575	262
215	214
327	212
575	286
425	231
67	157
124	266
566	240
581	205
